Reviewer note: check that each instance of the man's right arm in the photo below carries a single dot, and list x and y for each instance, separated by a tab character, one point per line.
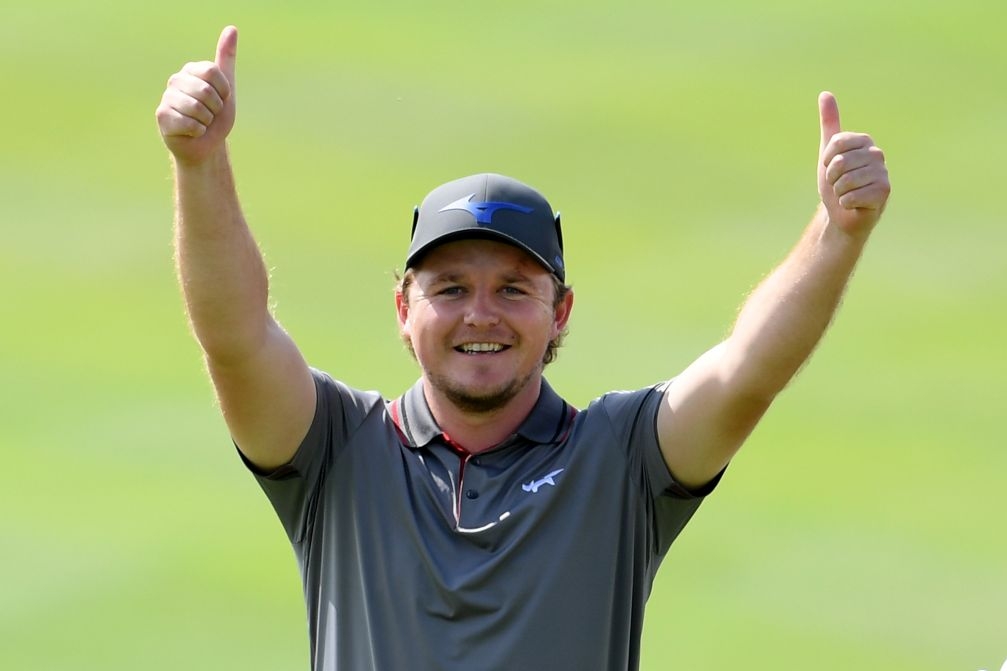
264	386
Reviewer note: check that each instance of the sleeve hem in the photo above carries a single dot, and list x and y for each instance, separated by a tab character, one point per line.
294	466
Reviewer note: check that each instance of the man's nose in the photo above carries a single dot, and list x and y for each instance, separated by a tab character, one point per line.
482	310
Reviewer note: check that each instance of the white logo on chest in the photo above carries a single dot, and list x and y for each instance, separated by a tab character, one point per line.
534	485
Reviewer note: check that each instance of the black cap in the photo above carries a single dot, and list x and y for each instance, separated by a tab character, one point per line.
489	206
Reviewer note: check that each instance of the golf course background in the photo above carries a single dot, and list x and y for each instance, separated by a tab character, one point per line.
862	526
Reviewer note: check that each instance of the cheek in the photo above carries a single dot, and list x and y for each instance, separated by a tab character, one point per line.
547	315
420	321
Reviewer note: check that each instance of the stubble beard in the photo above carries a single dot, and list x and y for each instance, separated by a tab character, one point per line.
486	402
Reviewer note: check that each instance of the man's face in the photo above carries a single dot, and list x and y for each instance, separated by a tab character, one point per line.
479	315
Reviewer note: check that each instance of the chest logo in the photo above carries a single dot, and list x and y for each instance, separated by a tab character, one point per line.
534	485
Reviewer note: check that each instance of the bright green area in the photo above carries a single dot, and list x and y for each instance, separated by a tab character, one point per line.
861	528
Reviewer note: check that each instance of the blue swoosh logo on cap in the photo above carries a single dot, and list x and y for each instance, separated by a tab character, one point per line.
483	211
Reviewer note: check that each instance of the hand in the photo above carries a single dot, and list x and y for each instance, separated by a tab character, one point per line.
197	109
852	176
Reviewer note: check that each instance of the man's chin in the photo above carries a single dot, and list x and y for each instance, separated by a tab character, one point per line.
480	401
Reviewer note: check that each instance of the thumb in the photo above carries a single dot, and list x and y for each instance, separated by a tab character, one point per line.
227	52
828	112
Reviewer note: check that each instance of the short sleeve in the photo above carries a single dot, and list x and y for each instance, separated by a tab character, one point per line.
633	415
293	488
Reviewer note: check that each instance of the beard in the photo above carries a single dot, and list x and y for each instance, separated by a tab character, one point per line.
483	402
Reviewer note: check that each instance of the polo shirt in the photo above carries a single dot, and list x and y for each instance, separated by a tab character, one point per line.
539	553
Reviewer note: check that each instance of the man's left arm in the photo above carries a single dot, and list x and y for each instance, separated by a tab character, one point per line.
711	408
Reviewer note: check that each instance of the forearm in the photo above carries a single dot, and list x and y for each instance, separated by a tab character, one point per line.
785	317
714	405
220	269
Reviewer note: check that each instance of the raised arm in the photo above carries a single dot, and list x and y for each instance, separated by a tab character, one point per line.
264	386
712	407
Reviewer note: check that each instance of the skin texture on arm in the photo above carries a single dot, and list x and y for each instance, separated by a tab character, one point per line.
263	384
712	407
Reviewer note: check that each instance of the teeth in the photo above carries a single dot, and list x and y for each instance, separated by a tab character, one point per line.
471	347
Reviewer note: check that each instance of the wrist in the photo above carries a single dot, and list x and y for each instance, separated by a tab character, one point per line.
201	162
212	172
850	226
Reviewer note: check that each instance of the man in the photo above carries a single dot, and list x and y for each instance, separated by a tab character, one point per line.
478	521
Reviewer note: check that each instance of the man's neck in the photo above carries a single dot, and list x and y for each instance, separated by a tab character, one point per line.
481	431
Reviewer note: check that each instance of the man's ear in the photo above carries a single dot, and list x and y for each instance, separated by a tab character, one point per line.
402	311
562	313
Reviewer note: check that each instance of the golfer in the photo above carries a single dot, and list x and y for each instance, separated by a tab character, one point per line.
479	521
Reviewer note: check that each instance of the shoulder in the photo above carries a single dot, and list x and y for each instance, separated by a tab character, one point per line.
337	389
625	420
623	406
341	408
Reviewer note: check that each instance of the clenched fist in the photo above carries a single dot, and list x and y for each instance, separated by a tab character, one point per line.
198	106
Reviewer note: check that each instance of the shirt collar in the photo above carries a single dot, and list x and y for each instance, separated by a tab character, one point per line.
548	422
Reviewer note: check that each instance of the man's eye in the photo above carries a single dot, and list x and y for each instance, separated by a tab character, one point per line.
513	291
451	291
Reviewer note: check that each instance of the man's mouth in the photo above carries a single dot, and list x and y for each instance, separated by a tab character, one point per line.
481	348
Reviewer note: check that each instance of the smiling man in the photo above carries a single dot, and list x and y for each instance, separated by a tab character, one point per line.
478	521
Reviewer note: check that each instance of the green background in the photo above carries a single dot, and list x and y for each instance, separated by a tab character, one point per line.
862	527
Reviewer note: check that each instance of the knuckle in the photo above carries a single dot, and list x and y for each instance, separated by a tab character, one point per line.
173	123
841	139
161	116
199	68
835	170
201	113
847	141
209	96
191	127
859	139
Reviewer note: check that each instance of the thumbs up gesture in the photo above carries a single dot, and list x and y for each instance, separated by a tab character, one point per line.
852	176
198	106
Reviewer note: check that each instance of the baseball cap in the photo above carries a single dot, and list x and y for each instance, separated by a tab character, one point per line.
489	206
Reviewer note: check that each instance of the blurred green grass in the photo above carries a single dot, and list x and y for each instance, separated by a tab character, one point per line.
861	527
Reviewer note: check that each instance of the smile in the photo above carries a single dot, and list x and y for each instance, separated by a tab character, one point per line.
481	347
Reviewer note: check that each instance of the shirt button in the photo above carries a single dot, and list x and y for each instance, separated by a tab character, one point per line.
471	494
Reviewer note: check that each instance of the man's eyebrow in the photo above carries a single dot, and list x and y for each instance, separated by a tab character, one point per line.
516	276
445	278
512	276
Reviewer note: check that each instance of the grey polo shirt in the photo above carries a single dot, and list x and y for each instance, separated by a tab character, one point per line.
537	554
